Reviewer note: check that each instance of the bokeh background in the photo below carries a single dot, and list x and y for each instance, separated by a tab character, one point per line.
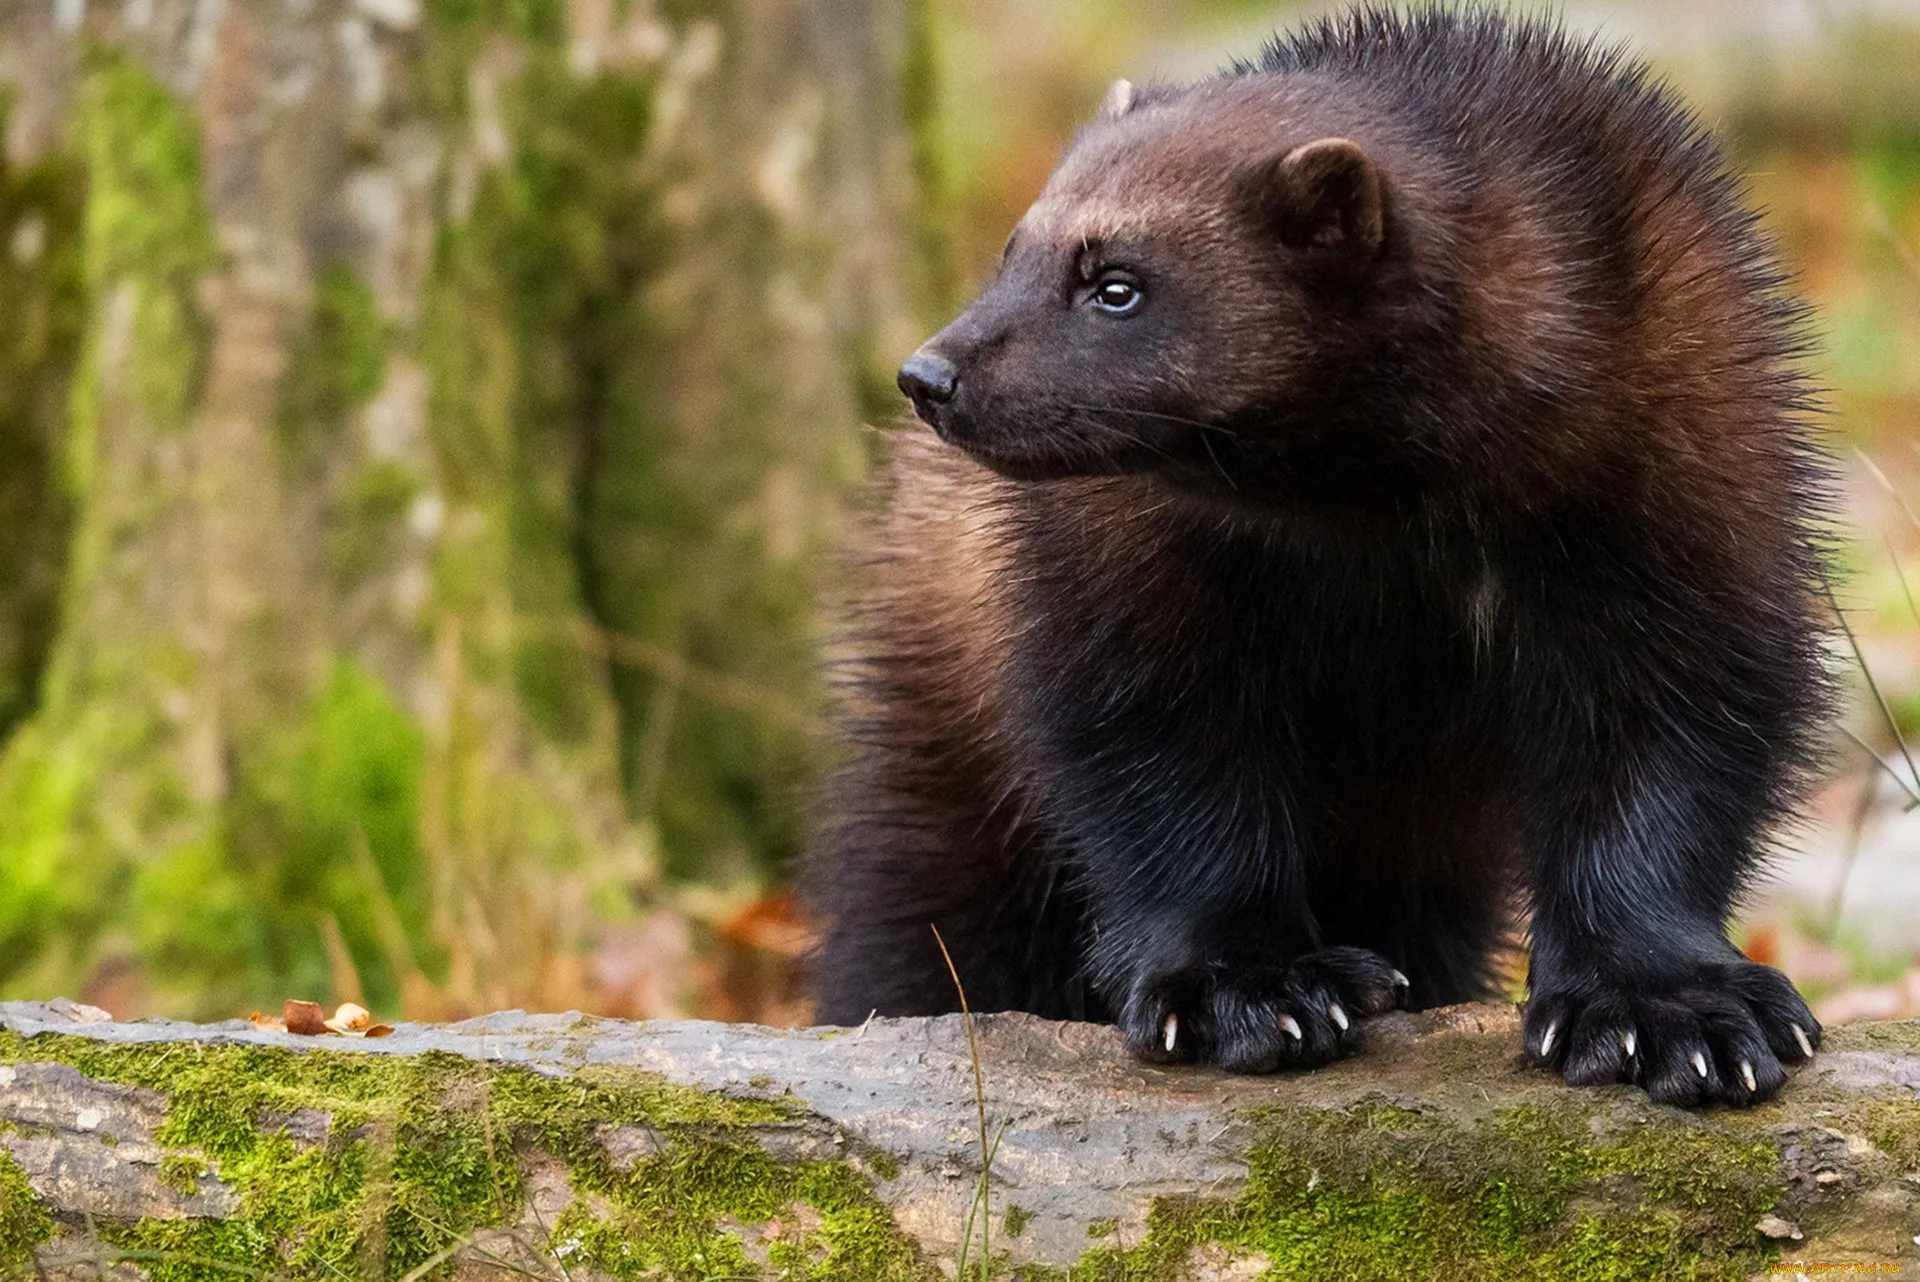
426	427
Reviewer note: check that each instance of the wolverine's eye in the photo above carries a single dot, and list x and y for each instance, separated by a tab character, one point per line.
1117	294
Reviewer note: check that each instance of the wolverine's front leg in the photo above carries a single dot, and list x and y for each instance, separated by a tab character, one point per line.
1643	828
1204	945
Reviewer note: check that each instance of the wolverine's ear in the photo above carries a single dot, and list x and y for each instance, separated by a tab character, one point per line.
1119	100
1330	198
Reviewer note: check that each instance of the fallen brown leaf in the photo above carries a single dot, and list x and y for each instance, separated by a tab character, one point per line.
772	922
305	1019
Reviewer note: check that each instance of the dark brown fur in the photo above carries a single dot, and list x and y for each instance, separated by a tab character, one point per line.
1383	489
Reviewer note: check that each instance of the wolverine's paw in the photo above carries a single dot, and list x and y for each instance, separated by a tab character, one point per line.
1717	1036
1261	1018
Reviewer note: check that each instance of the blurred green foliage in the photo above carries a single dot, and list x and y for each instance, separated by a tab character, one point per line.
147	221
42	321
326	826
338	363
535	305
540	324
87	770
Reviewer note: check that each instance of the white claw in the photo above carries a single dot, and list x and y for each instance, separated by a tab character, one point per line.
1290	1026
1401	981
1746	1075
1339	1016
1806	1047
1546	1040
1699	1063
1628	1042
1172	1031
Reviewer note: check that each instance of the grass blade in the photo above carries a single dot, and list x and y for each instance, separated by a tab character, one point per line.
1886	709
986	1150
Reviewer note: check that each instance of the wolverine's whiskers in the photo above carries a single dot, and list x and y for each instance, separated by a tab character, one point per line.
1206	433
1168	418
1207	440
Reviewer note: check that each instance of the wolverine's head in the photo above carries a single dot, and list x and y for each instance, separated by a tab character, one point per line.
1196	272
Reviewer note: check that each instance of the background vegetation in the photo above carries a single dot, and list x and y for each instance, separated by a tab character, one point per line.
424	428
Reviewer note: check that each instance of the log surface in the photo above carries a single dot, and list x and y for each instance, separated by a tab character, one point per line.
1092	1149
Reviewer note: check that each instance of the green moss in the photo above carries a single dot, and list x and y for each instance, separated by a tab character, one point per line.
1016	1220
455	31
43	301
558	433
561	327
24	1224
1385	1193
181	1172
88	788
147	214
536	320
419	1151
371	521
337	365
193	1250
147	222
880	1162
664	1215
1894	1127
529	318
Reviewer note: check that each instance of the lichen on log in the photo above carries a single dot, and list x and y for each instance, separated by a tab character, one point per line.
569	1147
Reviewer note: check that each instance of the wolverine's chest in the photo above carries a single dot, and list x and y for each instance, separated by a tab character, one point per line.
1209	632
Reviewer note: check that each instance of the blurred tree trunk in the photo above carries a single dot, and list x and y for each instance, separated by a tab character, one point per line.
423	422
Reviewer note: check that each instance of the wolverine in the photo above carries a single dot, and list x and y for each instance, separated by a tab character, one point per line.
1374	507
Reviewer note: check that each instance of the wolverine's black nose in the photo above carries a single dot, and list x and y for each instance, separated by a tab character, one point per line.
928	379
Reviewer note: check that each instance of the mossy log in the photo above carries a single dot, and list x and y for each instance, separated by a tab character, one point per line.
572	1148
